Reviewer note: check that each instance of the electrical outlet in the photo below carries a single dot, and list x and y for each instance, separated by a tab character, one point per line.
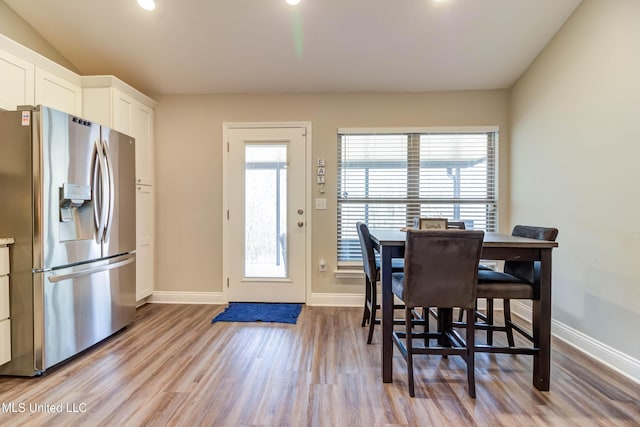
322	265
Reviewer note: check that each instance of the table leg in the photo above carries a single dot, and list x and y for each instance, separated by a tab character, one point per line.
542	326
387	314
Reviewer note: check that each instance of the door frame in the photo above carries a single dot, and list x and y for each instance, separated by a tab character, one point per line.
226	260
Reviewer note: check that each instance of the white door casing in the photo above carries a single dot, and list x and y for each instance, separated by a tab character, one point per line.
265	179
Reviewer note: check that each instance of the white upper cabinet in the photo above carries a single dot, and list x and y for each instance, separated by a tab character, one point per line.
113	103
16	80
57	92
28	78
136	119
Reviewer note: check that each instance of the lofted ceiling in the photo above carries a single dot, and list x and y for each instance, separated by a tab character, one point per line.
267	46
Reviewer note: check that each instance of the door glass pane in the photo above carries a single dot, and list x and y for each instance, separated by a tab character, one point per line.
265	216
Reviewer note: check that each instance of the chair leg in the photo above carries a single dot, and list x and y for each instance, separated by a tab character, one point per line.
425	316
372	317
490	321
461	313
470	359
409	345
367	301
507	321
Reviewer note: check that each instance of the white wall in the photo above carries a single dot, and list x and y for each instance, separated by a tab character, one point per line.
17	29
189	161
575	165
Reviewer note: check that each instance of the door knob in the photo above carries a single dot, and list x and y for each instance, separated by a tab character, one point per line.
300	211
300	223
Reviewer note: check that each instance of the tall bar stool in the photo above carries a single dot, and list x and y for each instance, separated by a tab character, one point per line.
440	270
520	280
371	267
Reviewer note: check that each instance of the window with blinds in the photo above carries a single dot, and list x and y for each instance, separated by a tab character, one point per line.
388	179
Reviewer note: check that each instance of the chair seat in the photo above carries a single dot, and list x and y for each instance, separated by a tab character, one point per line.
495	284
397	284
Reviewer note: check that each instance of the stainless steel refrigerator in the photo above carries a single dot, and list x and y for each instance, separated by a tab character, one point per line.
67	197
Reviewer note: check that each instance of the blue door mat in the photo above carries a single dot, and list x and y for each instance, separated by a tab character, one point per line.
259	312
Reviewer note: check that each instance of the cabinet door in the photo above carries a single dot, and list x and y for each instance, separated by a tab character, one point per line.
123	113
143	133
4	298
144	241
136	120
5	341
56	92
16	81
5	323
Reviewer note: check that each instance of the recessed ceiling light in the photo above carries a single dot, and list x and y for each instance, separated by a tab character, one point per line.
293	2
147	4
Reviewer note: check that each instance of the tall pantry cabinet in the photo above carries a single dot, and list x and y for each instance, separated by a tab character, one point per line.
114	103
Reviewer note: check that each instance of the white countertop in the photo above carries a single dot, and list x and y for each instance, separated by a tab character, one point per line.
6	241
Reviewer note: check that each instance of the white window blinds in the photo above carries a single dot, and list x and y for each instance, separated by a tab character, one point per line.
388	179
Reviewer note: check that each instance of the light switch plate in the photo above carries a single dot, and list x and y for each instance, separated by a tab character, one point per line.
321	204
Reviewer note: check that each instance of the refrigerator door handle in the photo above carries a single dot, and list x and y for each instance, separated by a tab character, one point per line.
85	272
103	192
112	192
95	183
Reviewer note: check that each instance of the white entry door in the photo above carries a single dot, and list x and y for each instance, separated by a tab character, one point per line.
265	225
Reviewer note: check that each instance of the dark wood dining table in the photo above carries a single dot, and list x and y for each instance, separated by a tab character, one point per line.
390	244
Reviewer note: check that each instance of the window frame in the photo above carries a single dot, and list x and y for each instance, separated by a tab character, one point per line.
413	171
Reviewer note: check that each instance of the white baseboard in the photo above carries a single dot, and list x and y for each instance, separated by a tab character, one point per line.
317	299
170	297
336	300
609	356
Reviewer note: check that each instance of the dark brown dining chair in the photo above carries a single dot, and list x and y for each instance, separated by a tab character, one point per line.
451	225
440	270
371	266
520	280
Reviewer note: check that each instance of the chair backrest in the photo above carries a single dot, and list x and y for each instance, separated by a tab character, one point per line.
441	268
368	257
529	270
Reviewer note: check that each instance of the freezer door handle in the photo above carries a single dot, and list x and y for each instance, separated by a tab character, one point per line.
111	206
85	272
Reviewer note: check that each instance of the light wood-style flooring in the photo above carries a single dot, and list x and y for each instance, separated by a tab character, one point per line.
173	367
